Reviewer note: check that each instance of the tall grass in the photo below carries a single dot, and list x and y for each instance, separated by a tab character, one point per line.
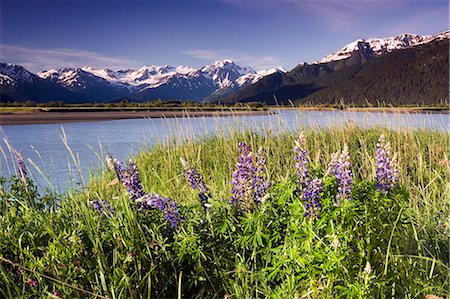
377	245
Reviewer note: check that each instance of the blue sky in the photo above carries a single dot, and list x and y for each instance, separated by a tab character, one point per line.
41	34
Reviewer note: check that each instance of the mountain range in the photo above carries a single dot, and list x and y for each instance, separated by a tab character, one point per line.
150	82
403	69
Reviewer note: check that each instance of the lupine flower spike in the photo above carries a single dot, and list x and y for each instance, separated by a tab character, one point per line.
196	182
344	176
386	166
301	161
241	191
131	180
332	167
249	184
115	165
261	184
311	198
166	205
129	177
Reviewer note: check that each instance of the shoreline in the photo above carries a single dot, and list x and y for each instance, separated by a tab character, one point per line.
24	118
374	109
54	117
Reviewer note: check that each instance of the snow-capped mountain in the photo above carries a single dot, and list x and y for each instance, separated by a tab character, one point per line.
252	78
17	83
85	83
226	72
149	76
242	81
11	74
186	83
72	78
179	87
342	66
383	46
149	82
209	83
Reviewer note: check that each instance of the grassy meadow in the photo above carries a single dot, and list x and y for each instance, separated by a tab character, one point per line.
391	244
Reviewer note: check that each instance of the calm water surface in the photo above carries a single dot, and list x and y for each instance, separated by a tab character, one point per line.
90	141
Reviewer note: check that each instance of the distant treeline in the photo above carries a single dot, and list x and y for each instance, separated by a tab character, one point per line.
340	104
126	103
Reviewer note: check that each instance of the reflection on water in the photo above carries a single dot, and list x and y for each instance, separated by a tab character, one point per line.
89	141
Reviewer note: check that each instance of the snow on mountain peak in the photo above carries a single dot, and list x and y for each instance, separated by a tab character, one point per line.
225	72
186	70
221	74
222	63
13	73
252	78
382	46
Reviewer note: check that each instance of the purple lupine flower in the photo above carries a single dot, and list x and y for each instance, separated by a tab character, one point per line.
102	206
115	165
344	176
241	178
261	185
301	160
386	166
249	185
164	204
333	166
131	180
311	198
196	182
128	176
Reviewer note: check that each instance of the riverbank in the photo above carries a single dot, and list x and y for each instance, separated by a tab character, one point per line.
376	109
45	117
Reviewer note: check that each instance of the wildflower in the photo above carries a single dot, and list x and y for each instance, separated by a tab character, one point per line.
129	177
131	180
344	175
115	165
311	198
164	204
57	294
386	166
367	268
196	182
302	160
249	185
332	168
32	282
102	206
261	185
241	176
367	271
